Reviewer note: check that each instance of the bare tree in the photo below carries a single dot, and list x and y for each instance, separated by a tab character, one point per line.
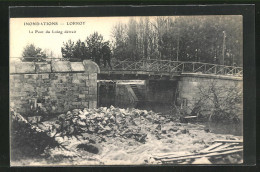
219	101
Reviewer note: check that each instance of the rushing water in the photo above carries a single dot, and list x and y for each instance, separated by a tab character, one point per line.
220	128
217	128
165	108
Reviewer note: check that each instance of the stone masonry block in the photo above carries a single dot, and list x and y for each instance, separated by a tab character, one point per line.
25	67
61	66
85	92
77	67
82	78
76	103
53	76
30	76
82	88
18	94
82	96
31	81
42	67
75	88
82	84
64	74
75	80
16	78
45	76
62	79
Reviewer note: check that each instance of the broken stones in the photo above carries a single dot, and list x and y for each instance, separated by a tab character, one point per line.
110	122
174	129
97	125
184	131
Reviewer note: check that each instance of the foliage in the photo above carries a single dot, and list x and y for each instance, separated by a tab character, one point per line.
184	38
219	102
95	43
31	51
90	49
119	46
71	50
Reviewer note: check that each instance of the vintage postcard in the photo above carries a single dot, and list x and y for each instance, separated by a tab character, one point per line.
142	90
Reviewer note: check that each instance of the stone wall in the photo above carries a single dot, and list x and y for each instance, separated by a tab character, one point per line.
53	87
189	85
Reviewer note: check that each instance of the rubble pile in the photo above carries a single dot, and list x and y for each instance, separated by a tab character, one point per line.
109	122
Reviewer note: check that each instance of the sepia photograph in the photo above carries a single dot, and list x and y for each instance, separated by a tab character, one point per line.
126	90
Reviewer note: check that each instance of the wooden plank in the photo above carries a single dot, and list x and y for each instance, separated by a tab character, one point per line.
225	146
211	147
172	155
229	141
227	149
201	154
217	147
189	117
207	155
177	154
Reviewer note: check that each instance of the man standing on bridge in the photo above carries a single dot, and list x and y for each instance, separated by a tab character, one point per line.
106	53
96	55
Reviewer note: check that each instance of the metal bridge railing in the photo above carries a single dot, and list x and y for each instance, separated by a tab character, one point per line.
159	66
176	66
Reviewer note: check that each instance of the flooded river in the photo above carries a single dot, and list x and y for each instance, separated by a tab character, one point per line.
217	128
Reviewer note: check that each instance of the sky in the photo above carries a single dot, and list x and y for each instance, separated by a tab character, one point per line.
23	33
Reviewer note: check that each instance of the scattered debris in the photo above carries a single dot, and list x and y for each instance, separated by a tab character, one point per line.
130	136
219	149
